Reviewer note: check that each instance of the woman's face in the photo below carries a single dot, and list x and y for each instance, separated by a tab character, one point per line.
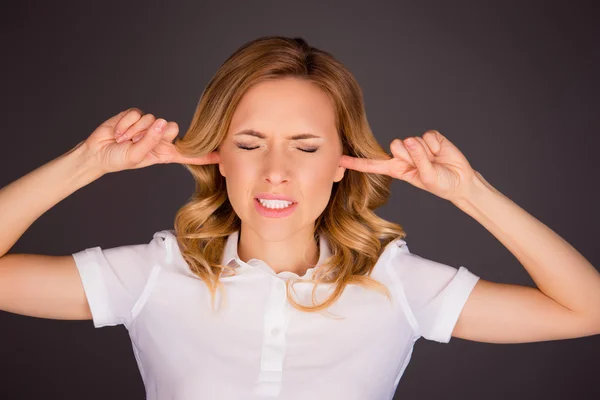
277	111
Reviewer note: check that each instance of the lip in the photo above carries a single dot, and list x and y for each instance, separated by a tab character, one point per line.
272	196
272	212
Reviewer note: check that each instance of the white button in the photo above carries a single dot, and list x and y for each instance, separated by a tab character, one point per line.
274	332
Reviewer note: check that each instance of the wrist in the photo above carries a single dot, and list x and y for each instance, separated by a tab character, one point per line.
85	164
477	188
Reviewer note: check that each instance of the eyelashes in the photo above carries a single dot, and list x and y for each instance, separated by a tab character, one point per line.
309	150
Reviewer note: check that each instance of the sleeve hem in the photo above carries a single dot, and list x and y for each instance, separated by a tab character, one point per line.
462	286
94	287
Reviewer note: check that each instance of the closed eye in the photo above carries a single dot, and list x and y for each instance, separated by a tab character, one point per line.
309	150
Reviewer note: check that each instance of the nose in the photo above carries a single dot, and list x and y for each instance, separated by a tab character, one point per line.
276	167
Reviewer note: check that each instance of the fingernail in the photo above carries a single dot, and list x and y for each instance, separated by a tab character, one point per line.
159	125
121	138
410	143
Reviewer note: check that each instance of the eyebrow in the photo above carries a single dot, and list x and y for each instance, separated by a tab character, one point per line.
261	135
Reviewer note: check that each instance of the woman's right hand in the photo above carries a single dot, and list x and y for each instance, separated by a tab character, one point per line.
140	144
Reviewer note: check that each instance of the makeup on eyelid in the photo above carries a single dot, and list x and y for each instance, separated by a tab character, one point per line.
307	150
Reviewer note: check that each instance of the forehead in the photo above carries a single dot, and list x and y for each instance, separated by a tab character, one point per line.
285	106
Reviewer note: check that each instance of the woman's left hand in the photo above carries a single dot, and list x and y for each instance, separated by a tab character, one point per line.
433	164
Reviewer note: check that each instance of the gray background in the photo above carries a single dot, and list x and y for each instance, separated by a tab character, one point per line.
513	84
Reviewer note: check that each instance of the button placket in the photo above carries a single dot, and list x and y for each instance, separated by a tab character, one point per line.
274	342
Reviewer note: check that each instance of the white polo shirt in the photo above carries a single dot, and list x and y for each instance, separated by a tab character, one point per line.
257	346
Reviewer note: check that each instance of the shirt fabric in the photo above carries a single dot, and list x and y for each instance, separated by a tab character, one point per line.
258	346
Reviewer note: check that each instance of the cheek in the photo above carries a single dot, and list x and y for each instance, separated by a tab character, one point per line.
317	181
239	169
323	169
239	179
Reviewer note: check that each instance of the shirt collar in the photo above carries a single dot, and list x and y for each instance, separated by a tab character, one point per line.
230	257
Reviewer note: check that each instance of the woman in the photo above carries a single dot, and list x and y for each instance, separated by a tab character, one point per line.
321	298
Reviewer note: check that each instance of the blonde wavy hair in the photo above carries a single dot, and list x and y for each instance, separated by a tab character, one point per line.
357	236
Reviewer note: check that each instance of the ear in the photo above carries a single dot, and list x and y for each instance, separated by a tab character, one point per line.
339	174
222	169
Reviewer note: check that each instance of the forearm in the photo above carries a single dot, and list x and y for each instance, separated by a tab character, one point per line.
26	199
557	268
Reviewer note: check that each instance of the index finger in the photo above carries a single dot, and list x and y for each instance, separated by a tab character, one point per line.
210	158
364	164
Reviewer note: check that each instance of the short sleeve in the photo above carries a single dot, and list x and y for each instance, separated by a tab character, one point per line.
114	279
436	293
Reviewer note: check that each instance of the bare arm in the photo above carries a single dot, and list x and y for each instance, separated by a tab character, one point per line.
50	286
40	285
26	199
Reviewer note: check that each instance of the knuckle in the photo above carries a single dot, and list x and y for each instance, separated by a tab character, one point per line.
136	110
171	127
141	124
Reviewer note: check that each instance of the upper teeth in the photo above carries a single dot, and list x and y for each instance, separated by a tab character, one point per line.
275	203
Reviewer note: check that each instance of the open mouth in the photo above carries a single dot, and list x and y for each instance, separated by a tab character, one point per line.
283	203
283	211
